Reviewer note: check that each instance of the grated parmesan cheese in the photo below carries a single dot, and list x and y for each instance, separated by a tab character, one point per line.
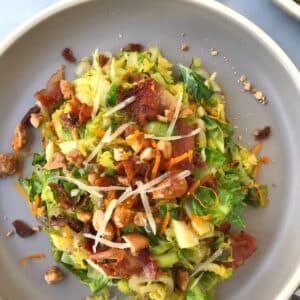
107	215
120	106
146	186
175	116
147	207
90	189
107	242
174	137
98	147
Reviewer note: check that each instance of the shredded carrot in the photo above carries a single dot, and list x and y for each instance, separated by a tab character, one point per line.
98	132
111	195
153	144
215	204
256	169
165	223
257	148
156	164
207	178
28	151
175	160
132	138
19	188
119	141
30	257
36	205
194	186
199	219
264	159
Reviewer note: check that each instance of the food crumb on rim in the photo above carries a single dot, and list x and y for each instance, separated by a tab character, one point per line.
213	52
184	47
9	233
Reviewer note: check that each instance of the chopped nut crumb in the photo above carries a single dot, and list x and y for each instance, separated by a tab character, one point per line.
184	47
247	86
53	275
36	228
214	52
10	233
253	90
243	78
258	95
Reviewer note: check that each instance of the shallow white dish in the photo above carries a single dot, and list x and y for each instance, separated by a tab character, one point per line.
32	53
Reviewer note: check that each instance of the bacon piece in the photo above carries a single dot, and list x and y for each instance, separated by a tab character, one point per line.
103	59
224	227
198	161
147	105
104	180
51	95
132	47
75	225
26	119
64	199
111	254
22	229
132	167
262	134
243	246
62	221
183	145
141	265
80	113
68	55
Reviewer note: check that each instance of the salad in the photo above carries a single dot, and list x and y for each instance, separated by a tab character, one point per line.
139	180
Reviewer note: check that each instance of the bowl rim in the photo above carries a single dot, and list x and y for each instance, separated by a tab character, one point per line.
290	7
234	16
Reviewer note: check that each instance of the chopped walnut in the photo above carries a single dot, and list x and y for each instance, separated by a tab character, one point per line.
19	137
57	161
124	180
8	164
184	47
84	216
166	148
182	279
53	275
121	154
185	113
243	78
67	89
247	86
147	154
36	120
75	157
